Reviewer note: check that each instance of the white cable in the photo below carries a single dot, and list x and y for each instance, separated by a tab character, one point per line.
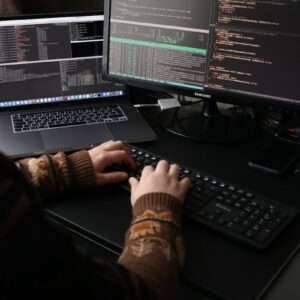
163	104
145	105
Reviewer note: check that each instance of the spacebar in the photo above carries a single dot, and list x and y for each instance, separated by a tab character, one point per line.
65	125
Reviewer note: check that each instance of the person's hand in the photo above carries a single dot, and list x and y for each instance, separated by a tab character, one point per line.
109	154
162	179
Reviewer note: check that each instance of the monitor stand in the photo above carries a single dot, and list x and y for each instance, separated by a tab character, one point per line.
206	123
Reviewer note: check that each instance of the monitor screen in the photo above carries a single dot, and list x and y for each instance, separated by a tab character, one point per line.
196	47
52	59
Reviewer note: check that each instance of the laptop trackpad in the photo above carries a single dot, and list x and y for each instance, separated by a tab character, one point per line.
72	138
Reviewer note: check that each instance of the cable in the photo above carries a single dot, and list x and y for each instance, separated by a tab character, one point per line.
141	105
163	104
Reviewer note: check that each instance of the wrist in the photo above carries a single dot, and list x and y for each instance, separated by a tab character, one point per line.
158	205
81	169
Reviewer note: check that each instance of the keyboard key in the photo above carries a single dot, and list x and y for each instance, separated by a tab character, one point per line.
231	188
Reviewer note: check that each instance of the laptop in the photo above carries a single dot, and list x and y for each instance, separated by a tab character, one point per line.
52	94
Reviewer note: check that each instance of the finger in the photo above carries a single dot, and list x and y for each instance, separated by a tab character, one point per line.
96	151
133	182
147	170
118	157
174	171
119	145
185	183
162	166
106	144
113	145
111	178
116	145
125	147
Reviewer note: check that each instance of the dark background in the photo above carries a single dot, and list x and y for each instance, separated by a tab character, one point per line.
43	6
12	7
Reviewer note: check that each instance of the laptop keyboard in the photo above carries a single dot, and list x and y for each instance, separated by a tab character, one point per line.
36	121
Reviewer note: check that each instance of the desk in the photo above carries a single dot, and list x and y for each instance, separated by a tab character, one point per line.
110	216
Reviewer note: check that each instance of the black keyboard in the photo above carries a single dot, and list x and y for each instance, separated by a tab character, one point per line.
227	208
36	121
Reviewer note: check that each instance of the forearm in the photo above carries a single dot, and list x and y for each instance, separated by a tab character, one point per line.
153	248
60	172
35	254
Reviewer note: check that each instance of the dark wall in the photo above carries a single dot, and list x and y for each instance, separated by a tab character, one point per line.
13	7
49	6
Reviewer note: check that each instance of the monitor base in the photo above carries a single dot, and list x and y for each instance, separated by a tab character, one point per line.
205	123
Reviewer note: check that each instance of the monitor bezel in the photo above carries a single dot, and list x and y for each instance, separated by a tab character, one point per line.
223	95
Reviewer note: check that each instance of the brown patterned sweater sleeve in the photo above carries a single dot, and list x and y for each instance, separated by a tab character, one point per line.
37	256
153	248
59	172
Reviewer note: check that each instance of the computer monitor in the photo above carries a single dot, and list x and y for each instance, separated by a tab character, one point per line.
232	51
55	58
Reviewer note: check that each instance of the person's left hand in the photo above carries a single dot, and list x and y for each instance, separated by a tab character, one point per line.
108	154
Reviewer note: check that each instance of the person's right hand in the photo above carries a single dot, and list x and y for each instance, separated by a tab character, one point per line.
162	179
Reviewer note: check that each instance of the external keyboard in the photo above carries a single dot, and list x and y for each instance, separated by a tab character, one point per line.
227	208
36	121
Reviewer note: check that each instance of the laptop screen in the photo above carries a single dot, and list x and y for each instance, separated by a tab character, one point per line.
52	59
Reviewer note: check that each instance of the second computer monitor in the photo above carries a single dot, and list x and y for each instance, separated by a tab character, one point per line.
242	50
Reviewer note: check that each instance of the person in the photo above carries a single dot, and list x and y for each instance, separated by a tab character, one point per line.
39	259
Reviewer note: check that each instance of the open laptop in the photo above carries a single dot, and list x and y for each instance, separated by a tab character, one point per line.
52	95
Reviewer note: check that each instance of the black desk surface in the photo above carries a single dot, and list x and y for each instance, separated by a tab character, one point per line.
211	259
